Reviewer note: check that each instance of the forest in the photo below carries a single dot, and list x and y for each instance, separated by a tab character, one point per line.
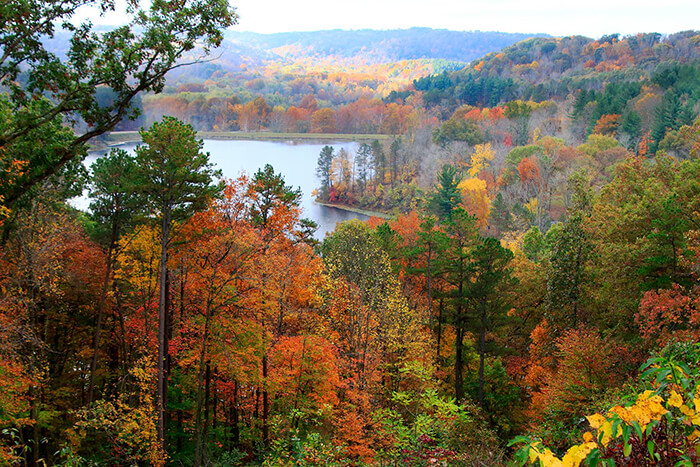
531	298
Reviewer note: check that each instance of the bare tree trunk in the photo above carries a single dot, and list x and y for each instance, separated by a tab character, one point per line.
235	433
100	311
459	343
265	405
482	354
162	350
439	331
201	396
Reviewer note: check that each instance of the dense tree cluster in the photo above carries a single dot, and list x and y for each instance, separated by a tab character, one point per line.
540	253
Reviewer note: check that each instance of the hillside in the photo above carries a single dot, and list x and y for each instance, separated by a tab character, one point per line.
531	294
545	68
301	72
379	46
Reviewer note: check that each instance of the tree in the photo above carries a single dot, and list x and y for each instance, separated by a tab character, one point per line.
475	199
455	269
518	112
175	176
447	195
115	203
323	170
571	249
379	161
362	160
430	243
486	293
394	159
269	193
42	88
460	129
323	121
274	212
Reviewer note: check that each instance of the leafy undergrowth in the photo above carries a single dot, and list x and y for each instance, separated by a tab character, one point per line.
658	427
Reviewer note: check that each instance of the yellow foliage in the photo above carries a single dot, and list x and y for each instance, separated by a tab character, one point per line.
475	199
596	420
532	205
483	154
472	185
576	454
648	408
675	400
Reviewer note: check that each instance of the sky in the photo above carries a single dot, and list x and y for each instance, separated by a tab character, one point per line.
592	18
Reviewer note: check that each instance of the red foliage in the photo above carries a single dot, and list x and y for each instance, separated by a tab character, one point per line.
666	314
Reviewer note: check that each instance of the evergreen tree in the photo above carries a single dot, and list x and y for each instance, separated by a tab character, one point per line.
362	160
175	177
379	161
486	294
114	205
323	170
446	197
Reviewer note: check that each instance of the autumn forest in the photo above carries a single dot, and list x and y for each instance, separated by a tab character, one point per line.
526	292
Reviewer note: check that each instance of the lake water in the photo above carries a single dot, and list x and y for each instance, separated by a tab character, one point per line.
296	162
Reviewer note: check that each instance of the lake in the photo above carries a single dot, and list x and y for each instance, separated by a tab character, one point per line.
296	162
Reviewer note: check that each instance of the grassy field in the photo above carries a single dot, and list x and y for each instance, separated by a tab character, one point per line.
118	137
366	212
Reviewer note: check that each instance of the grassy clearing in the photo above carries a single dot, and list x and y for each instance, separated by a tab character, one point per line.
119	137
344	207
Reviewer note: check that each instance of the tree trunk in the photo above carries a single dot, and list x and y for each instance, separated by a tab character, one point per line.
235	433
201	395
482	354
439	331
265	405
459	344
100	311
430	298
162	350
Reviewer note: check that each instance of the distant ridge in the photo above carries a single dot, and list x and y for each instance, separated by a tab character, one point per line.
378	46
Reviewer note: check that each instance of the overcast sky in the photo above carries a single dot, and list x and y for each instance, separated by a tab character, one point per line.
591	18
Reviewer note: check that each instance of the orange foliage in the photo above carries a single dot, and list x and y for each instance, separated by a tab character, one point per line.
529	170
607	125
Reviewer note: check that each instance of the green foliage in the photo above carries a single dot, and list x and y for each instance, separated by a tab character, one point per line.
323	170
595	144
458	130
570	251
519	153
655	427
35	154
304	451
271	193
173	172
423	426
126	60
534	244
115	202
447	195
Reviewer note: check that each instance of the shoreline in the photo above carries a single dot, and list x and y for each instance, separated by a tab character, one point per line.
117	138
364	212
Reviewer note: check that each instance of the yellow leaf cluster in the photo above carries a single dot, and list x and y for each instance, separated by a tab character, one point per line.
573	457
531	205
645	410
483	155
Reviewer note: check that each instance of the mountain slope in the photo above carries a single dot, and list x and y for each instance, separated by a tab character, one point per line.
379	46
